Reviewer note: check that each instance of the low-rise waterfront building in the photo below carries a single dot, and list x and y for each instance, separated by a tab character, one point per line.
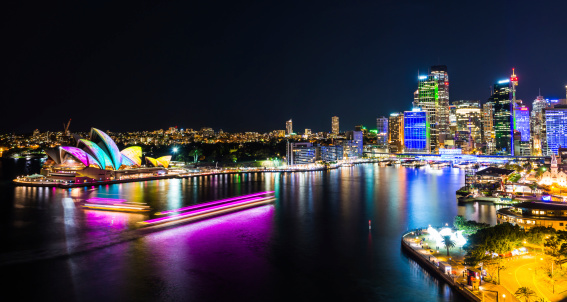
532	214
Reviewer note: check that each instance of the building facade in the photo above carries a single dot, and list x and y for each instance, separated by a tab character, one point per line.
335	125
503	130
556	128
396	132
289	127
416	132
382	131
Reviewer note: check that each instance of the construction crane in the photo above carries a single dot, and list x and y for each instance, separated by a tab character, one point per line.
66	127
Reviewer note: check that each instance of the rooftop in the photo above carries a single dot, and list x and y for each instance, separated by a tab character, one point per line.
493	171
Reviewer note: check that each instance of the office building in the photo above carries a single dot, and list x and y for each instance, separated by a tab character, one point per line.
335	124
432	96
396	132
468	134
522	127
302	154
416	132
332	153
488	128
556	127
382	131
503	130
537	127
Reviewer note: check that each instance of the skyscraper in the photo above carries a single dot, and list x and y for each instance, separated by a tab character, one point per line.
537	126
432	96
396	132
556	127
488	127
382	131
502	117
335	124
468	134
416	132
289	127
522	125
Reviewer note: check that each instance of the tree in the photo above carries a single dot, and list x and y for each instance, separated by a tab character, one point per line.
468	226
195	153
526	293
448	243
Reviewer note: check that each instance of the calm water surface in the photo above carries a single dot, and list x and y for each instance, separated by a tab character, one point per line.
312	244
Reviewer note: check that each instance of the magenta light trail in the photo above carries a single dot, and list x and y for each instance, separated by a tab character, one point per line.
212	203
215	208
106	200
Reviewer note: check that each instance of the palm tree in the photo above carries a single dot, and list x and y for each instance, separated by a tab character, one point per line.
526	293
448	243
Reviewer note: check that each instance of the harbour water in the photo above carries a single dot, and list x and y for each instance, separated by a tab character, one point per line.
312	244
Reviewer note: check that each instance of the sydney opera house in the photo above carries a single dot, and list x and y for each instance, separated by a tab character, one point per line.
99	159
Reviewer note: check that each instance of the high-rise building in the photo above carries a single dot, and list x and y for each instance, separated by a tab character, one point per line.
439	72
556	127
396	132
432	96
503	131
335	124
382	131
537	126
416	132
468	135
289	127
522	126
488	127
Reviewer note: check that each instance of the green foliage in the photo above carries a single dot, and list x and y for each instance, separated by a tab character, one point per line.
514	177
448	243
499	239
468	226
525	293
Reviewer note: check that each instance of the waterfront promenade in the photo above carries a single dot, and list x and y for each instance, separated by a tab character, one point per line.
425	252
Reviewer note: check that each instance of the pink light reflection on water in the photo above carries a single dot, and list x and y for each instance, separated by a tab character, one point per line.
234	244
101	223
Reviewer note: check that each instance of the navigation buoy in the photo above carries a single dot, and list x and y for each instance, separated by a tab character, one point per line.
369	224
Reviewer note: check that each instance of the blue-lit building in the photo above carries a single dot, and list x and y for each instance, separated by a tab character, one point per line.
522	122
331	153
416	132
556	127
303	154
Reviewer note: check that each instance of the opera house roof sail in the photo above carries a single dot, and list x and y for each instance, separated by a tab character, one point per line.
101	152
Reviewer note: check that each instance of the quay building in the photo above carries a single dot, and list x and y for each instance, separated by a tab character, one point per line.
99	159
531	214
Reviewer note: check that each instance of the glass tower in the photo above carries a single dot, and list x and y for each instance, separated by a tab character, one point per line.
503	130
556	127
416	132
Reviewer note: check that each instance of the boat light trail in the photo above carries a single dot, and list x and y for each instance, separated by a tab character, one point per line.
212	203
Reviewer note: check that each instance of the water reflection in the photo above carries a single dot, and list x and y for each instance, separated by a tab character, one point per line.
313	242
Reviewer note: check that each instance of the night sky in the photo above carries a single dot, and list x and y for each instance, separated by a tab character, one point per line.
250	66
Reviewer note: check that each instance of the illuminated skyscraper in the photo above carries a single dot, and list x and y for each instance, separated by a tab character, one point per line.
432	96
468	134
556	127
396	132
537	125
382	131
289	127
335	124
522	125
488	127
501	97
416	132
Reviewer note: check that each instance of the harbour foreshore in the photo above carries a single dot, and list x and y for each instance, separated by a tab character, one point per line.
457	281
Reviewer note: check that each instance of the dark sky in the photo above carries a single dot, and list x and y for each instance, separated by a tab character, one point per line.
250	66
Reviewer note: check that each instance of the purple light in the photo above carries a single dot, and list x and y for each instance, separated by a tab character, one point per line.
211	203
105	200
207	210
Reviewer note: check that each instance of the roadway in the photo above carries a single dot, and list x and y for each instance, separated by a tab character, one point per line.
521	273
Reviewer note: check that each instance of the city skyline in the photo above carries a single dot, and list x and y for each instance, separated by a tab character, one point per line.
247	68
